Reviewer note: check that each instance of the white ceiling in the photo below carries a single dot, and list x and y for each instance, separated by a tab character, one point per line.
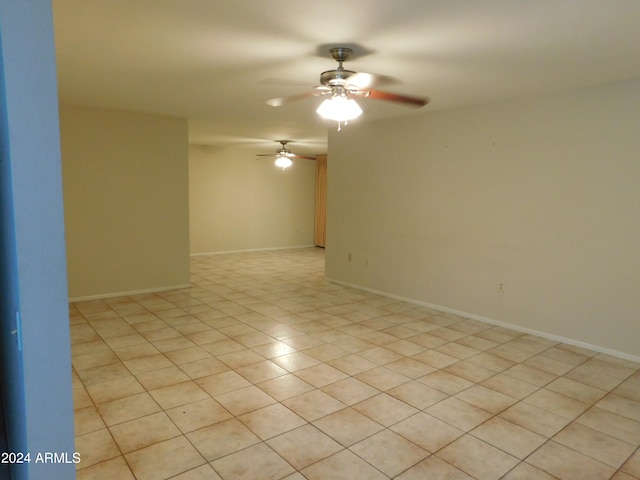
215	62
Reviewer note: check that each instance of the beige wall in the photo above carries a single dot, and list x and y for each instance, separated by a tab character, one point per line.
126	206
541	195
239	202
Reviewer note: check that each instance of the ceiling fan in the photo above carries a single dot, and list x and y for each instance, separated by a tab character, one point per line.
342	85
284	155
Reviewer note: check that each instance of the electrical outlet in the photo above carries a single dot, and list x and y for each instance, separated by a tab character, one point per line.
501	287
349	257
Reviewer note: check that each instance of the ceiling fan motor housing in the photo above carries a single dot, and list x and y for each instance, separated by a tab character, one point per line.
333	78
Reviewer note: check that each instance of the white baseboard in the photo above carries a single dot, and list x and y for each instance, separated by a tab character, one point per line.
518	328
248	250
128	293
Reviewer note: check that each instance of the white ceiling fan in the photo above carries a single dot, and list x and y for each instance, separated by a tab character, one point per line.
342	85
284	155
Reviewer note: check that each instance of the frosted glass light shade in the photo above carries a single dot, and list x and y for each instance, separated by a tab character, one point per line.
339	108
283	162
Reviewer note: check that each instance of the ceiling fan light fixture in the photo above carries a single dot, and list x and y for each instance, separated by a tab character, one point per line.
283	162
339	108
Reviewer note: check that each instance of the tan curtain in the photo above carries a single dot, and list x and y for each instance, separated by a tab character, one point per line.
321	200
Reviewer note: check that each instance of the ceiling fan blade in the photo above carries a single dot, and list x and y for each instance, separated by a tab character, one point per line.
303	156
393	97
277	102
266	154
365	80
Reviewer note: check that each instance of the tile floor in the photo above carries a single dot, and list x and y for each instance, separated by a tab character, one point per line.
263	370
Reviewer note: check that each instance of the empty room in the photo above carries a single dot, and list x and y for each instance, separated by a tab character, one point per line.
321	240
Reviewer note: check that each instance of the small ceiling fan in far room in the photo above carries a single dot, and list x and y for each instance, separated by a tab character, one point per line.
284	155
342	85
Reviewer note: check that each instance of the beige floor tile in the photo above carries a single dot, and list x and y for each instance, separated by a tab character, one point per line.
436	359
389	452
261	371
620	475
556	403
477	343
285	386
594	378
344	465
221	347
595	444
326	352
632	466
257	462
165	459
622	406
222	438
223	382
428	341
148	363
203	472
270	421
382	378
350	391
97	359
380	355
302	341
477	458
611	424
457	350
433	468
162	377
313	405
128	408
321	375
576	390
87	420
486	399
95	447
144	431
459	414
492	362
203	368
535	419
445	382
353	364
385	409
410	367
130	352
178	394
240	358
567	464
530	375
114	468
244	400
273	349
114	389
548	365
405	347
510	386
524	471
196	415
304	445
296	361
470	371
348	426
186	355
417	394
427	431
513	439
104	373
